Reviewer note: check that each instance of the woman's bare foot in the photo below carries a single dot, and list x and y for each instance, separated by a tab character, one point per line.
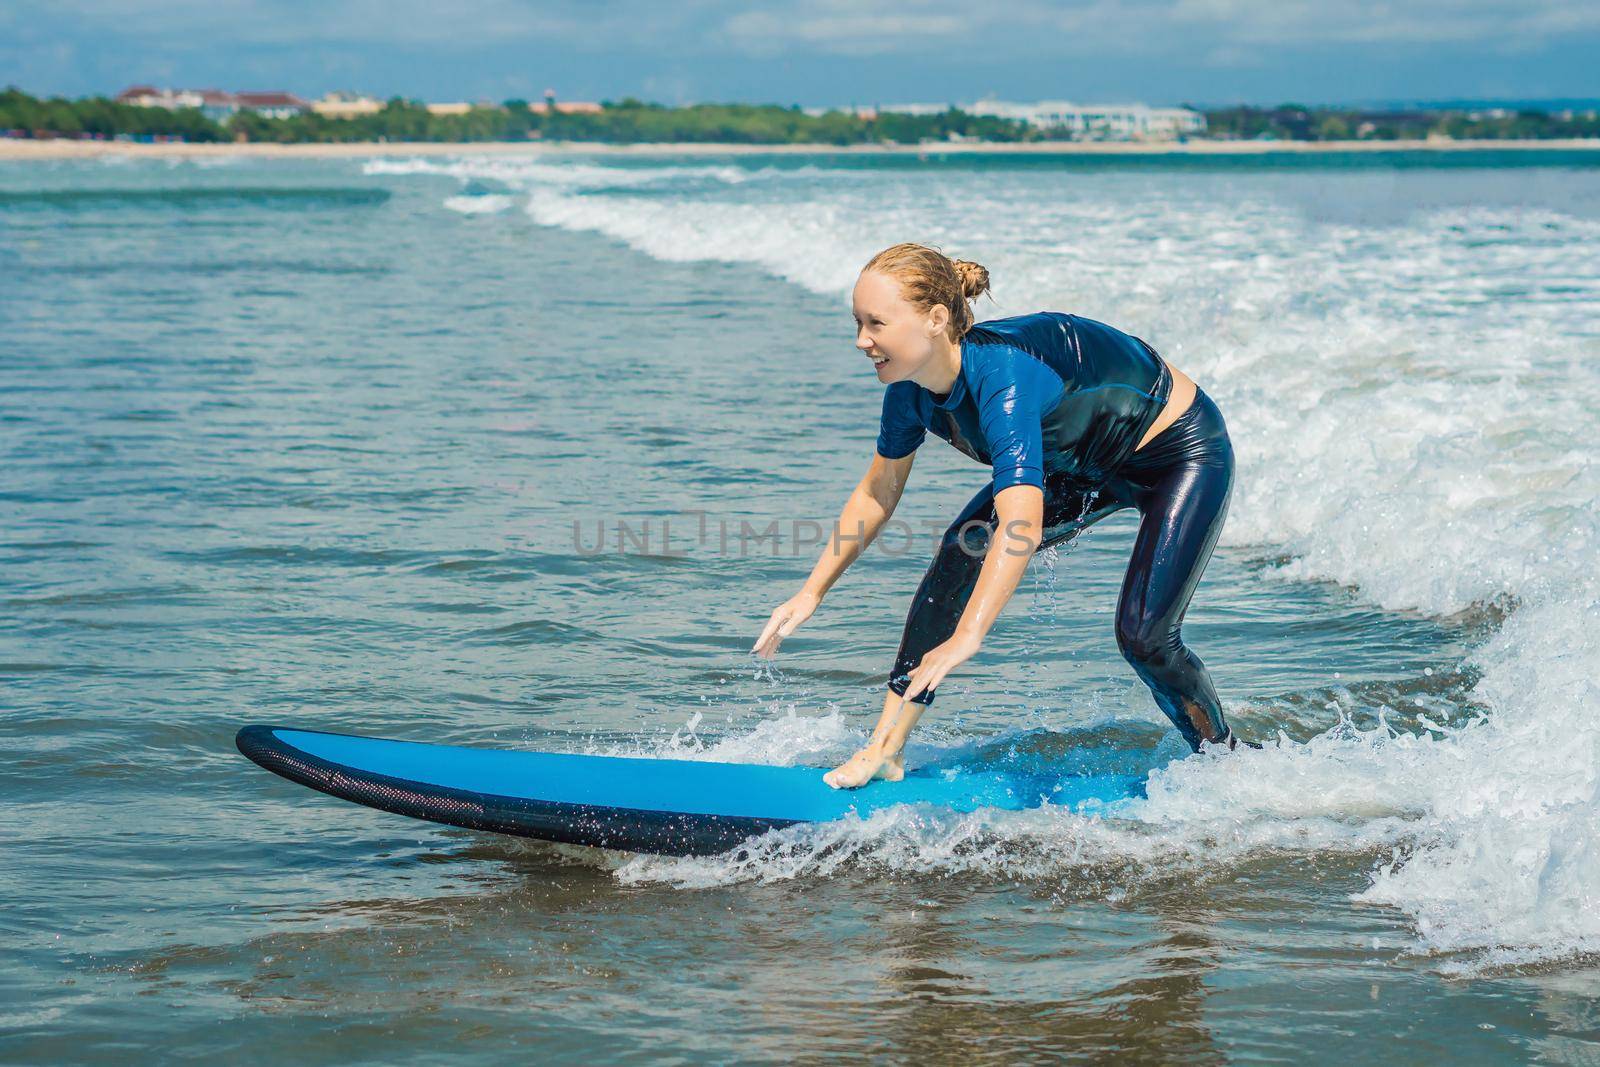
864	766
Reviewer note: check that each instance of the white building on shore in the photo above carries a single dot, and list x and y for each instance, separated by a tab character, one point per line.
344	105
271	103
1081	122
215	104
1098	122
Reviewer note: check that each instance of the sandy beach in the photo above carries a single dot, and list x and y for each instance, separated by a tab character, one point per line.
68	149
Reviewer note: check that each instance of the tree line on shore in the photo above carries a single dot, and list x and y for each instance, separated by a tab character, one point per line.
631	121
1292	122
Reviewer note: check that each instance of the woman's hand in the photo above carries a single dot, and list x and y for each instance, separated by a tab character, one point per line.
786	618
940	661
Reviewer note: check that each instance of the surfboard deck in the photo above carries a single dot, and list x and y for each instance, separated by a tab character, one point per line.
637	804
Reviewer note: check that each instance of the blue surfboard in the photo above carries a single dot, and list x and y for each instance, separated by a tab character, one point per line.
637	804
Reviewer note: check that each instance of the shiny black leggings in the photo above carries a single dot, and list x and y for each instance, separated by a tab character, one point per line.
1180	482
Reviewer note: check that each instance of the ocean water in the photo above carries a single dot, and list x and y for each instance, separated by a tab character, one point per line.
482	451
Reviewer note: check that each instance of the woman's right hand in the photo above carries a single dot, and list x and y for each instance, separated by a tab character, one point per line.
786	618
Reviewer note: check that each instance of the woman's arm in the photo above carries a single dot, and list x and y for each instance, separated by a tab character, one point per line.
861	520
1011	389
1020	510
869	506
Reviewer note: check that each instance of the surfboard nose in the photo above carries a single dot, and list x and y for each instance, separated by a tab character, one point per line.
254	741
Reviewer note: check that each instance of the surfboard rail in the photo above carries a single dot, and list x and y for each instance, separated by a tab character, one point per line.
628	829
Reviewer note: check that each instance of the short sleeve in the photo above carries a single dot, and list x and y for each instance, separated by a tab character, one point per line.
901	431
1013	390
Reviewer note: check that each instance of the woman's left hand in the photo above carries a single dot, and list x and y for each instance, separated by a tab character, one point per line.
940	661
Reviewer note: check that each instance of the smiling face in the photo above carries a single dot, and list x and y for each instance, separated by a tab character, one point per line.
900	338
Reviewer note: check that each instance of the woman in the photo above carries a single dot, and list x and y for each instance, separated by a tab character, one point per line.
1077	420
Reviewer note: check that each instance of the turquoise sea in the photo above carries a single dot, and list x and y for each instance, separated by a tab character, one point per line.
487	450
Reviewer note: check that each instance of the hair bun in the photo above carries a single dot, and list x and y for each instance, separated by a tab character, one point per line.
928	279
974	278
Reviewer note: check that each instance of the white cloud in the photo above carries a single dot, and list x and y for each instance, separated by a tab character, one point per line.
845	29
1300	22
1216	32
469	23
1224	28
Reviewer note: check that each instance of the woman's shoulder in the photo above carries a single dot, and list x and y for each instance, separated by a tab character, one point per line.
1038	333
905	396
998	361
1014	323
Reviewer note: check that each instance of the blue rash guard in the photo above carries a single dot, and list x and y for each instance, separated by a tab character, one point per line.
1042	394
1061	402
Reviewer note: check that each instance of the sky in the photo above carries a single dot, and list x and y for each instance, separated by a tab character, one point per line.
831	52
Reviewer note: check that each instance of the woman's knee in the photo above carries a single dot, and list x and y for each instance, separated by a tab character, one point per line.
948	582
969	537
1145	644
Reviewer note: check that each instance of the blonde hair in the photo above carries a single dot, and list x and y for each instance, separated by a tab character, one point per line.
928	278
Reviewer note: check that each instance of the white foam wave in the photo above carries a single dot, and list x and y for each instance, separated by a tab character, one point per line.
1412	401
529	171
1104	849
486	204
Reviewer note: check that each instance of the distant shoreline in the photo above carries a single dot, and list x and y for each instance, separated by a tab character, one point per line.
18	149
